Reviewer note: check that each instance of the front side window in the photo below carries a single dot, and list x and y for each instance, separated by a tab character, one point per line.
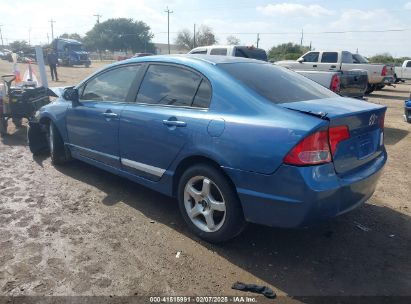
311	57
329	57
409	64
357	58
168	85
220	51
112	85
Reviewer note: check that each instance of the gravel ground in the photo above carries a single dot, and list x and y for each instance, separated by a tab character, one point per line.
77	230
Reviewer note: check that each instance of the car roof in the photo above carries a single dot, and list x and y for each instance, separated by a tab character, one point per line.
193	59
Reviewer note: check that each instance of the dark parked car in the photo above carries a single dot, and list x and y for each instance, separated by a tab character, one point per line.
235	140
407	110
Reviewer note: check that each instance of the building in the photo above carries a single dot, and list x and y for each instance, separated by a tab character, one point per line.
162	49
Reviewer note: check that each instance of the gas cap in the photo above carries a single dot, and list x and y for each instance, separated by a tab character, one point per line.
216	127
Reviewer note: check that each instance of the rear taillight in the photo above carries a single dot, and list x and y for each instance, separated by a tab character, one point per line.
317	148
335	83
312	150
382	121
384	71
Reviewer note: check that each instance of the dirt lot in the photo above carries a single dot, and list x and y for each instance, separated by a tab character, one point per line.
77	230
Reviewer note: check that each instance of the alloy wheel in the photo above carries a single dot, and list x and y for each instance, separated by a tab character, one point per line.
204	204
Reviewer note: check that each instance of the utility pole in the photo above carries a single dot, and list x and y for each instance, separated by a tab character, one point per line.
52	29
48	38
98	17
194	37
258	39
302	36
29	35
1	36
310	45
168	27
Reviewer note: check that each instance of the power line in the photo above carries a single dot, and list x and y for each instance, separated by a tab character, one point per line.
168	27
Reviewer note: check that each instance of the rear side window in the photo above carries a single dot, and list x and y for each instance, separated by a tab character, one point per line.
219	51
311	57
203	96
201	52
112	85
250	52
168	85
329	57
275	83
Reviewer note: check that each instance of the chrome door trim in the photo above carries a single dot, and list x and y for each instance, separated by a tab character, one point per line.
143	167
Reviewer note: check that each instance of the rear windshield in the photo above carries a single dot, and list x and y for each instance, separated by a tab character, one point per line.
253	53
276	83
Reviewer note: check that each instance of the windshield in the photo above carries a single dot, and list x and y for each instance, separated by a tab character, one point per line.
275	83
74	47
357	58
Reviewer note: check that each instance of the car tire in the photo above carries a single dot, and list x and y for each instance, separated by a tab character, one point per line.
216	214
370	89
17	122
37	139
396	80
3	126
58	153
407	117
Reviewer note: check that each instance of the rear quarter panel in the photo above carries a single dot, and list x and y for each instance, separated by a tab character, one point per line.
257	134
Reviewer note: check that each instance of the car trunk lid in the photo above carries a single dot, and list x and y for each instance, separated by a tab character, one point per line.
364	121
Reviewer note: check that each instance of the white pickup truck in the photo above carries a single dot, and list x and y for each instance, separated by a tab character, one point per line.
403	72
339	61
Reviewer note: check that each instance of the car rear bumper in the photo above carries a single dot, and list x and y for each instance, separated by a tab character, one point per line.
300	196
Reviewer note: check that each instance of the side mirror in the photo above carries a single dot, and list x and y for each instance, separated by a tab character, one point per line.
300	60
71	94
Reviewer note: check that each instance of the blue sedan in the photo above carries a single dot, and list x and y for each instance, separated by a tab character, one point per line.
235	140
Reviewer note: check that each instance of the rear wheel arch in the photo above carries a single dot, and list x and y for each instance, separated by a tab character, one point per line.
196	160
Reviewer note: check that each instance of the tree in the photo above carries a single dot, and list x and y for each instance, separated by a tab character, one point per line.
287	51
204	36
387	58
19	45
74	36
232	40
120	34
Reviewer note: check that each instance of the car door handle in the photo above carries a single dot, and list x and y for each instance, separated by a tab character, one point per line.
174	123
333	66
110	115
314	66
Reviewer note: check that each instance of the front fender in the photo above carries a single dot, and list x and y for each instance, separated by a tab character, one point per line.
56	112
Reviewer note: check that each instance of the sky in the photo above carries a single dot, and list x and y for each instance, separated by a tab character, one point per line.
371	26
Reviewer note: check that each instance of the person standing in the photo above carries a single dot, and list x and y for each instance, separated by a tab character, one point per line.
52	61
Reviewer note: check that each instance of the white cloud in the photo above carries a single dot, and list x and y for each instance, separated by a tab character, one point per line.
354	19
294	9
407	6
